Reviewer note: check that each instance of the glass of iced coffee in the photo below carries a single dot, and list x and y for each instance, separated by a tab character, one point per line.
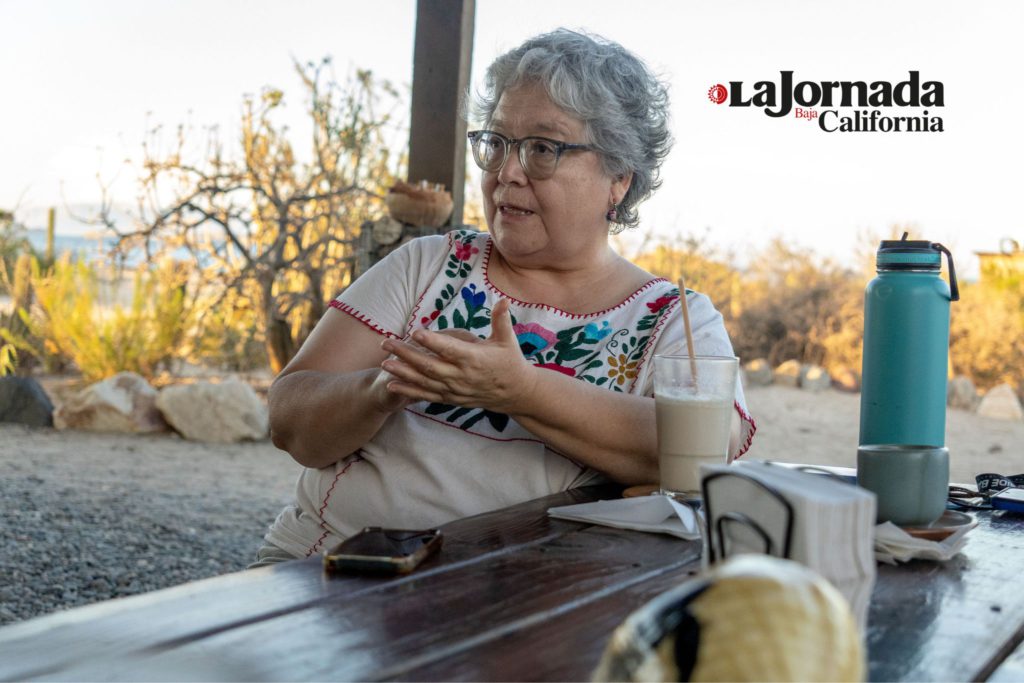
694	401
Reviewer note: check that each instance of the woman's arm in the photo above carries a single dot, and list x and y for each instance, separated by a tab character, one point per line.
332	397
611	432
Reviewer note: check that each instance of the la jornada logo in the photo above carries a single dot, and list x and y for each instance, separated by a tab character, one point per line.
871	103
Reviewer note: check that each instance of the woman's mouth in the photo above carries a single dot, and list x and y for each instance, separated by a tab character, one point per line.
512	211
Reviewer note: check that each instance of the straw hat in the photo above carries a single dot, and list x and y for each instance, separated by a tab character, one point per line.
752	618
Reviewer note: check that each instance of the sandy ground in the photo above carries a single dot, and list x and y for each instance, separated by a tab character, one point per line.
792	426
797	426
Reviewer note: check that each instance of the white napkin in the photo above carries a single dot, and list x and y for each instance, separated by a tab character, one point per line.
893	544
658	514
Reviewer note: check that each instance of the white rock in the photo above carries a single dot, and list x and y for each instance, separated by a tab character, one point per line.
846	379
814	378
961	393
222	412
1001	403
759	372
123	403
788	374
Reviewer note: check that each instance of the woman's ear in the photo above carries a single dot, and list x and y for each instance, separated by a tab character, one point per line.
620	186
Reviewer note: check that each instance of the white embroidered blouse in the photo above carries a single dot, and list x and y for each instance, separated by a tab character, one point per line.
432	463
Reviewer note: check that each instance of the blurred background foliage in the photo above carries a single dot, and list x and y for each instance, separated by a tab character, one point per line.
789	304
237	249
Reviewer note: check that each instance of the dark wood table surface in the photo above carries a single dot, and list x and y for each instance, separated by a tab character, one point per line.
513	595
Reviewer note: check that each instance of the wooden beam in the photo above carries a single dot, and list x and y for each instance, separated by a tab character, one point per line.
441	65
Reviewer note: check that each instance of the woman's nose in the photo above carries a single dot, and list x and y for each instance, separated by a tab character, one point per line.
511	172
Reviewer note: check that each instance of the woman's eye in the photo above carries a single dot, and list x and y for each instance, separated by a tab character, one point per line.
541	148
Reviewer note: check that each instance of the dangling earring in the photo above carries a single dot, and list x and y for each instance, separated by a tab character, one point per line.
612	215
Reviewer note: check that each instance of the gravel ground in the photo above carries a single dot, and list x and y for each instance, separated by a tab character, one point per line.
88	517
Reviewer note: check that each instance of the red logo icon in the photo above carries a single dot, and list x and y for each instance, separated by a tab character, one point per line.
717	93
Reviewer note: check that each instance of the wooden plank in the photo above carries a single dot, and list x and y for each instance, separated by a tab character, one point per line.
431	618
514	596
40	647
441	65
566	647
950	621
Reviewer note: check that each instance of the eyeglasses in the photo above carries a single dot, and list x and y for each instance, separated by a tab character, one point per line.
538	156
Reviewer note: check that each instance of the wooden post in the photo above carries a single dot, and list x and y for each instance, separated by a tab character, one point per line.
51	223
441	64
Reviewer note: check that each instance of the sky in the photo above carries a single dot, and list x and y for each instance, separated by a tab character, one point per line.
81	82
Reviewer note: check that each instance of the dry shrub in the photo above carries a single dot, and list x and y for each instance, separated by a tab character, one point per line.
789	304
987	335
230	335
77	315
797	306
705	270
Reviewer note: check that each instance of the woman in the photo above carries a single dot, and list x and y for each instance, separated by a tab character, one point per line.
470	371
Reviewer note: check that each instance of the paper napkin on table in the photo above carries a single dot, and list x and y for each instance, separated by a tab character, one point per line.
658	514
893	544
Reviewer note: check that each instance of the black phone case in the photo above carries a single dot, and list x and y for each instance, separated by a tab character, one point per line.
337	560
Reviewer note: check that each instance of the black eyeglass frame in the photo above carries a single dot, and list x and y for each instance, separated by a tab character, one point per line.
559	146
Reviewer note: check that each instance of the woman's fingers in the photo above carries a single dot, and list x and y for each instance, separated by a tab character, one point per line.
444	345
501	322
414	392
409	375
427	364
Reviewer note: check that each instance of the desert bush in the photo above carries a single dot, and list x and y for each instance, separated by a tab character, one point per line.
75	315
788	304
229	335
704	268
260	220
799	306
987	335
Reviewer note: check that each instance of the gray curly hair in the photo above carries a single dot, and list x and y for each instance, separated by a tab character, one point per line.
622	104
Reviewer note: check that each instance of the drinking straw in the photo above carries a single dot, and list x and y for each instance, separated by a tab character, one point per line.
689	331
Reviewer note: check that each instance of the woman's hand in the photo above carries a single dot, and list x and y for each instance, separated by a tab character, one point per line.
456	368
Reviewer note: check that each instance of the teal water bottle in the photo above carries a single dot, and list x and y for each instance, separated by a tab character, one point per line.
906	345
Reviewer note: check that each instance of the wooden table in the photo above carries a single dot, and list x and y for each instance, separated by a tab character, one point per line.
514	595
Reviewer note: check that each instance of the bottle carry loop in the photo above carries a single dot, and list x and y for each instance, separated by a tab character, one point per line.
954	291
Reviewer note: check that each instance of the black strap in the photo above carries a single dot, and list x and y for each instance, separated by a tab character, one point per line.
990	483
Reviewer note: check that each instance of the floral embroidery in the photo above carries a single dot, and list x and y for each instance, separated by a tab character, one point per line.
457	267
472	415
594	333
660	303
620	369
558	368
602	351
465	250
533	338
473	298
476	315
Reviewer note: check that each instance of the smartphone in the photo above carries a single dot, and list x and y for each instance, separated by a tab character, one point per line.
1008	499
376	550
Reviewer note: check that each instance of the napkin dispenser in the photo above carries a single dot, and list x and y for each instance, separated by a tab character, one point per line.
817	520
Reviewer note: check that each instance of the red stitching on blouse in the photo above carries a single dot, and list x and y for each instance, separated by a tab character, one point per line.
554	309
753	428
423	294
366	320
327	497
653	341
